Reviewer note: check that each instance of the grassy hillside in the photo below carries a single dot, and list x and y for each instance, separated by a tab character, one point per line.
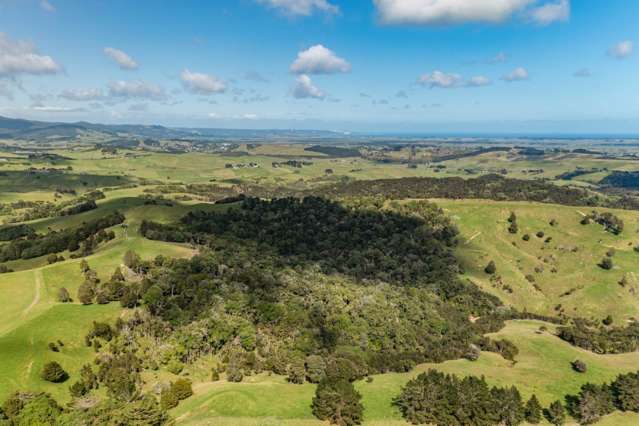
34	317
565	270
542	367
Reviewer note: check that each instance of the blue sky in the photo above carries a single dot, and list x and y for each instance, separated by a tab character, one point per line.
456	66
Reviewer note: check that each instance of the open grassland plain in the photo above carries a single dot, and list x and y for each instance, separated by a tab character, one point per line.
541	368
548	276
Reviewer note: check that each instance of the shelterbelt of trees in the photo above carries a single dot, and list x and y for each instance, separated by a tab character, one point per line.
490	187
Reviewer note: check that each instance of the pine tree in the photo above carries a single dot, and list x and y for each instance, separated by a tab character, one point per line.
556	414
117	275
513	228
533	410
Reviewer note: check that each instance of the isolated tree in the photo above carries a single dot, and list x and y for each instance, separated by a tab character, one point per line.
513	228
512	218
608	320
491	268
84	266
53	372
86	293
606	263
52	258
337	401
540	234
526	237
579	366
63	295
533	410
556	414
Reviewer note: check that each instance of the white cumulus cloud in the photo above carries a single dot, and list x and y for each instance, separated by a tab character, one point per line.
202	84
319	60
622	50
21	57
441	79
429	12
123	60
479	81
136	89
551	12
306	89
518	74
81	94
301	7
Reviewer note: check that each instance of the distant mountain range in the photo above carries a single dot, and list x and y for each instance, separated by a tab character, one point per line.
12	128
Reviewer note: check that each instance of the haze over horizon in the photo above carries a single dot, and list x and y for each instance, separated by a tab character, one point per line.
432	66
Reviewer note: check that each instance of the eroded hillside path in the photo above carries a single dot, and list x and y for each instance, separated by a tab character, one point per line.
36	297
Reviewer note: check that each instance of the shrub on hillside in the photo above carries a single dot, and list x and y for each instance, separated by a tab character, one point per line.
53	372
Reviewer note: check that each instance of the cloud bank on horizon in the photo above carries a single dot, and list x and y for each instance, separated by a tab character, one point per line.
310	60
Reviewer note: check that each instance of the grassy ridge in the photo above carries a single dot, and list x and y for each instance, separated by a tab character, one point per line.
33	318
593	291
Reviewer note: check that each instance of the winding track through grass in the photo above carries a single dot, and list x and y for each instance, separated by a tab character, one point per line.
36	297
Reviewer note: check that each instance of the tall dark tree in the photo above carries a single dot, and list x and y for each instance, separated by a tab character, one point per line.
625	390
509	406
533	410
556	414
